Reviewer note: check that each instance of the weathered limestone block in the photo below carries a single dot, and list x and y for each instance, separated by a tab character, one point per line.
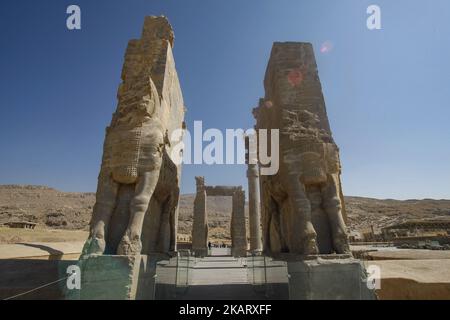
115	277
220	190
238	227
200	225
106	277
302	205
324	279
138	186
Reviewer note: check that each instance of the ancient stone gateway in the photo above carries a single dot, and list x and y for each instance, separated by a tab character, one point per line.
200	225
135	212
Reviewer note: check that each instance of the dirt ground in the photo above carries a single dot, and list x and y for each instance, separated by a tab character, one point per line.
414	279
11	235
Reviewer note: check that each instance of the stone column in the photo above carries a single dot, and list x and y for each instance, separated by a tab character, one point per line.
254	211
238	230
200	225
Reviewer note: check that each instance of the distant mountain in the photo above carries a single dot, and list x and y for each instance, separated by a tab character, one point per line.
72	210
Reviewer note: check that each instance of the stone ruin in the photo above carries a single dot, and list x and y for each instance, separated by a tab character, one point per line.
138	184
200	225
134	221
136	208
302	205
303	214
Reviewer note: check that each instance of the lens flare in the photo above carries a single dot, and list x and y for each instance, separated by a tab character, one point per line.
326	47
268	104
295	77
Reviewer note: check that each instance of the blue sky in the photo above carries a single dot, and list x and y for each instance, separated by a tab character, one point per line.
386	90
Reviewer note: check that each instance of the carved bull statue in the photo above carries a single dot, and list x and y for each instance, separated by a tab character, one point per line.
302	204
138	185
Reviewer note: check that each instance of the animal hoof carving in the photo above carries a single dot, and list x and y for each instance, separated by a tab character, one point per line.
94	246
310	247
341	245
128	247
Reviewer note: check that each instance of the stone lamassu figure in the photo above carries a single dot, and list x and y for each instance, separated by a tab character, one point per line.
137	170
302	204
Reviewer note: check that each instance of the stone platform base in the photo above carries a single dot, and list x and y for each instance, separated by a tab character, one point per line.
325	278
200	252
238	252
113	277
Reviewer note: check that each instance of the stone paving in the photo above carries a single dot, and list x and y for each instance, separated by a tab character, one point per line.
220	277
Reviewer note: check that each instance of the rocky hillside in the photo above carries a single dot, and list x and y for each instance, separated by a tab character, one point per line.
364	212
69	210
46	206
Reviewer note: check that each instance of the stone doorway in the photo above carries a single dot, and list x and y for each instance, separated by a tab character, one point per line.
237	226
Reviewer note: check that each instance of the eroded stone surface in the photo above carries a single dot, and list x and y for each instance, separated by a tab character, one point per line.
322	279
200	225
238	230
137	175
302	205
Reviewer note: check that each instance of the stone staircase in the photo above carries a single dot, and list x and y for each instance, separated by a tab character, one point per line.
220	278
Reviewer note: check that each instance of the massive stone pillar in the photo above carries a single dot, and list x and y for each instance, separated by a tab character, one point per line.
303	219
302	203
136	208
238	225
138	185
200	224
254	212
